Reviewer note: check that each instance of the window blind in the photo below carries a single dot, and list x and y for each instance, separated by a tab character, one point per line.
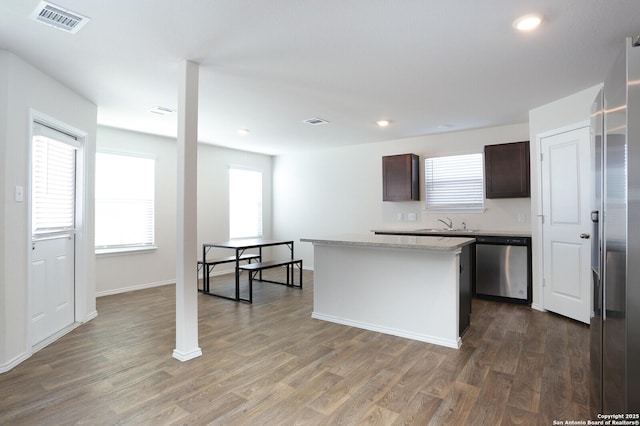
245	203
454	183
53	181
125	201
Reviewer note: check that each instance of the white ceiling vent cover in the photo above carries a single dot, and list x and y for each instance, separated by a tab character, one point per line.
315	121
160	110
59	17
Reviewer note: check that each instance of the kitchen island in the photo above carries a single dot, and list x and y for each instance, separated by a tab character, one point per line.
417	287
501	261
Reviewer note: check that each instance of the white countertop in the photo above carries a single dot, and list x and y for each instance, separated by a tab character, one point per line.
457	233
394	241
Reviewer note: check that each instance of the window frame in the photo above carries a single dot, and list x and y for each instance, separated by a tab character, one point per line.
136	246
259	229
477	206
57	144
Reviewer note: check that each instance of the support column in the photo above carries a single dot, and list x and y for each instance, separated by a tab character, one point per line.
186	274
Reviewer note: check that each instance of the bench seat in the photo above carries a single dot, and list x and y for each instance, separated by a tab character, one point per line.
258	267
229	259
211	263
269	264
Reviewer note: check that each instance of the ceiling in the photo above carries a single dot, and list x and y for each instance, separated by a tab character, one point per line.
427	66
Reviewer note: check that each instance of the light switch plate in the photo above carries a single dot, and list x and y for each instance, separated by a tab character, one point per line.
19	195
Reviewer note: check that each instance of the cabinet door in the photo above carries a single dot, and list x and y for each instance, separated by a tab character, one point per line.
400	178
467	273
507	170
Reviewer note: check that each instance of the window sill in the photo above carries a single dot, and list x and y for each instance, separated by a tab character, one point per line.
119	251
460	211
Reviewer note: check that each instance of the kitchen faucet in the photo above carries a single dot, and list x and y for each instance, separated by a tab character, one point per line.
448	224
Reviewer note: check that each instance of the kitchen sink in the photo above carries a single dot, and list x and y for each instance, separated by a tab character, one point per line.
441	231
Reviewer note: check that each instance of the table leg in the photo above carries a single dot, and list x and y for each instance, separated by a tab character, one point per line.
205	278
261	260
292	268
237	274
205	270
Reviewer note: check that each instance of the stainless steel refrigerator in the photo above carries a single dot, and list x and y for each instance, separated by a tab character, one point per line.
615	319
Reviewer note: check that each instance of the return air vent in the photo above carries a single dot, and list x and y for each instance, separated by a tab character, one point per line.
315	121
59	17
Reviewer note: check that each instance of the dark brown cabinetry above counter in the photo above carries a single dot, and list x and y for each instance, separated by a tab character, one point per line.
400	181
506	168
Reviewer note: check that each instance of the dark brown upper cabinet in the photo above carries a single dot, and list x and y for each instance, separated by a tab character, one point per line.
400	180
506	168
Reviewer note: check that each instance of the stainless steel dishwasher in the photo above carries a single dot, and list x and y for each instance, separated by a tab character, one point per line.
503	268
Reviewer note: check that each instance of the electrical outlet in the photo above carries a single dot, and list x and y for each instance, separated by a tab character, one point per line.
399	217
521	217
412	216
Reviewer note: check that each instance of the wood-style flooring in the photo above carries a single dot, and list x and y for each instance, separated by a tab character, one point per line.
270	363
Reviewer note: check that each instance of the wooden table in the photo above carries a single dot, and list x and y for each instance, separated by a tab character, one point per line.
240	246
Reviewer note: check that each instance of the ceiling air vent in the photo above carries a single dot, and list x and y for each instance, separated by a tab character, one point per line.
160	110
59	17
315	121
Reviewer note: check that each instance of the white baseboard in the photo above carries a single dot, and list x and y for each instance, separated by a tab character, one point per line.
46	342
90	316
538	307
49	340
455	344
134	288
14	362
155	284
186	356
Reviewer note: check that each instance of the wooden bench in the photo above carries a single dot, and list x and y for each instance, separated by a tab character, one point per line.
208	265
258	267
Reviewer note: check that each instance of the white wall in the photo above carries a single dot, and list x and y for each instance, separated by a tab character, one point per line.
4	103
213	193
117	272
23	88
327	192
125	272
564	112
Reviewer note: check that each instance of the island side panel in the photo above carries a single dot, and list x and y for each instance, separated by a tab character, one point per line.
410	293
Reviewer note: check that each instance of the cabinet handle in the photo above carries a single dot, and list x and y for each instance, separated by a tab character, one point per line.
585	236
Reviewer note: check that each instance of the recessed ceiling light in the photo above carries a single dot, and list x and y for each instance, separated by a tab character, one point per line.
527	22
243	132
383	123
446	126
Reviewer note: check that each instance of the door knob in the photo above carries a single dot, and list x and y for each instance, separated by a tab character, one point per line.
585	236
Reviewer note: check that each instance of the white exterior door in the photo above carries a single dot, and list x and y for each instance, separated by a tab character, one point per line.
52	290
53	217
566	186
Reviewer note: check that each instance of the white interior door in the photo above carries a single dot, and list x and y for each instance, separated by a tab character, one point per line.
566	186
53	217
